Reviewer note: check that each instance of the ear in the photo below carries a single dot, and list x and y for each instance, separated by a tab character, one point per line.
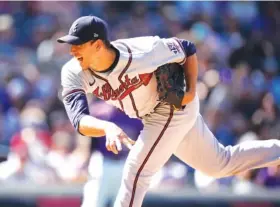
99	44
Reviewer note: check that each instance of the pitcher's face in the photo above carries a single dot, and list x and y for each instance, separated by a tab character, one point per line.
85	53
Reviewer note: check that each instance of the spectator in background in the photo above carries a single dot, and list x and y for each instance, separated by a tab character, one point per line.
27	159
269	177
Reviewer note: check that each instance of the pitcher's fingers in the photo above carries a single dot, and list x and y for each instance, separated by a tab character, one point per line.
131	141
127	143
108	146
119	145
113	147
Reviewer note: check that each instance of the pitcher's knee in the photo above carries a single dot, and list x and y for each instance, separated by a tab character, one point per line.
137	177
221	166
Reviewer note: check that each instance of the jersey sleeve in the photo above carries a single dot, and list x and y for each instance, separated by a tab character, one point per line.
71	82
162	51
178	49
74	96
173	51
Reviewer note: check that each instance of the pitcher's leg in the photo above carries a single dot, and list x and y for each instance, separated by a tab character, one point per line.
146	157
201	150
152	150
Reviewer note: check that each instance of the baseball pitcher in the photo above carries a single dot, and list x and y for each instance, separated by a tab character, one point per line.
152	79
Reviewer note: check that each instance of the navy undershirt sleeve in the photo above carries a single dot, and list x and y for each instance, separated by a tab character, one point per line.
189	47
76	107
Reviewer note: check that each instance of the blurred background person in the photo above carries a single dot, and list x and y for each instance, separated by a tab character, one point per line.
29	148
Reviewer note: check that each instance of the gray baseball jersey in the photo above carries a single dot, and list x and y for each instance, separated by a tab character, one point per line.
131	85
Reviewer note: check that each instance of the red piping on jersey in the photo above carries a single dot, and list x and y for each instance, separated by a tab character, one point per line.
97	76
121	75
148	156
183	61
73	91
120	102
134	106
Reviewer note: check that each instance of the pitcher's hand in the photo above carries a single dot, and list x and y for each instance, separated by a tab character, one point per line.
115	137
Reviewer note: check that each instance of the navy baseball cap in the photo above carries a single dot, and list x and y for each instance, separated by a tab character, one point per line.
85	29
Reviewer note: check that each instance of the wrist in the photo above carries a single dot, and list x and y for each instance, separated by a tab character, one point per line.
107	126
191	91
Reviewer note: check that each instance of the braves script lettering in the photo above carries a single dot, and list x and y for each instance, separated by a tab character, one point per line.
106	92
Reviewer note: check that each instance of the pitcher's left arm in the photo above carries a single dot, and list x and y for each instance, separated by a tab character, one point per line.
190	69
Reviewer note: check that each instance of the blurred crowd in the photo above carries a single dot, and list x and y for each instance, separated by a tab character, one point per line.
239	83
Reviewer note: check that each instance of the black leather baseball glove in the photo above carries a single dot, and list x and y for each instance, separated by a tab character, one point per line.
171	84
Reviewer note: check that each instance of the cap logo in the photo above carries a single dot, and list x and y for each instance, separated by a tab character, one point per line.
95	35
75	27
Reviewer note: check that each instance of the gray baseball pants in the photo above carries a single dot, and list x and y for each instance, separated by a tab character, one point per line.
185	134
